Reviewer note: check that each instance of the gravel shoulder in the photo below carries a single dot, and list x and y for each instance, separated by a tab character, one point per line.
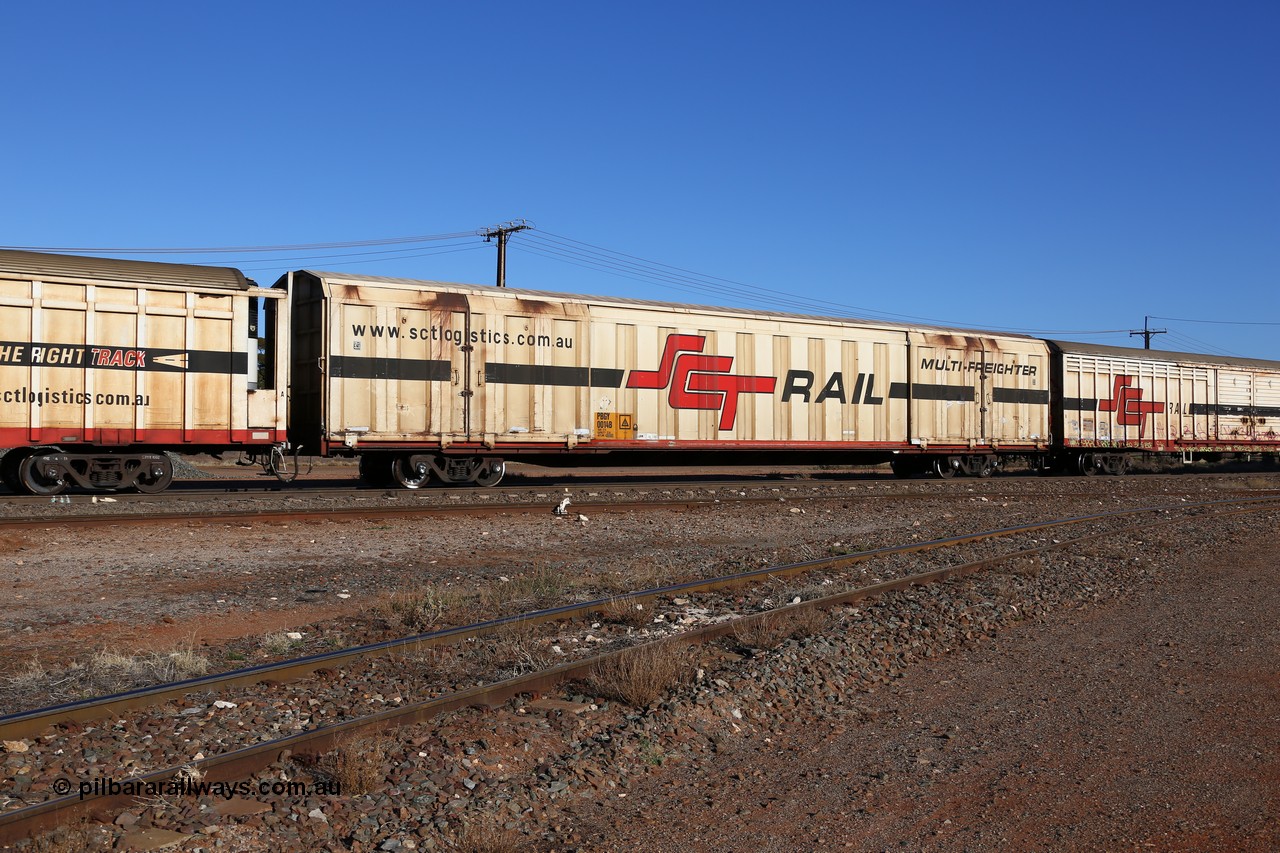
1109	695
1152	722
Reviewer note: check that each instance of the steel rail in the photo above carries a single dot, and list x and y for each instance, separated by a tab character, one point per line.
239	490
315	513
487	508
31	723
245	761
339	483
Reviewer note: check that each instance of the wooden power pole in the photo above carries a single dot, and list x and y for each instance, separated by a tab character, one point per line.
502	233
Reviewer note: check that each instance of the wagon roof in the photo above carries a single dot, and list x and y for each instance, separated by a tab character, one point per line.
44	265
1161	355
489	289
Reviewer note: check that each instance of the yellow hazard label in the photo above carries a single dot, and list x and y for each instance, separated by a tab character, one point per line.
615	425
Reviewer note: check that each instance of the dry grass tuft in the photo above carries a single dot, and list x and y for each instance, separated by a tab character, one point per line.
279	643
422	609
359	764
541	587
517	647
775	627
640	676
125	671
104	673
447	664
32	677
487	838
623	611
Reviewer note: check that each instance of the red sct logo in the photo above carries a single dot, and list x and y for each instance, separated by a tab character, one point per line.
1126	401
700	381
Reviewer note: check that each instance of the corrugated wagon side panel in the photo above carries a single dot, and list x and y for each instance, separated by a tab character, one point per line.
122	364
1235	405
214	332
353	368
1019	394
115	327
529	372
166	323
942	395
1267	406
66	326
15	335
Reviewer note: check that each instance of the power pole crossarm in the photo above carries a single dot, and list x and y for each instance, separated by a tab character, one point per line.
502	233
1146	331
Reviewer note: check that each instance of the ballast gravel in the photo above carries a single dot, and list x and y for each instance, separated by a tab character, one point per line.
1118	696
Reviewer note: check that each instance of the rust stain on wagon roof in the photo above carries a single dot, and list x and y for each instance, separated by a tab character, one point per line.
539	307
967	343
365	294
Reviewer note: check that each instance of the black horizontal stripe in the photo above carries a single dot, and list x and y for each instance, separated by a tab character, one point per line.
1019	395
1223	409
100	356
1079	404
407	369
201	361
922	391
549	374
965	393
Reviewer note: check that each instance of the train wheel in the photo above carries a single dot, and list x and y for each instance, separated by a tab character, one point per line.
492	475
409	476
943	467
33	479
156	477
1115	464
1089	464
985	469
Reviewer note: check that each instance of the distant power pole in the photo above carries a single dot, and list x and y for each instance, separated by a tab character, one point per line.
502	232
1146	331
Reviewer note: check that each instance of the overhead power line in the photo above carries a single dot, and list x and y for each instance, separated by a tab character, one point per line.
590	256
1216	322
413	254
209	250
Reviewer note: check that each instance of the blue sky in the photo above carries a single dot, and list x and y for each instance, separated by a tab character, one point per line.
1020	165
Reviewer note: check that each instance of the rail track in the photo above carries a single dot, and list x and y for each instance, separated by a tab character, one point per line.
238	763
212	506
241	489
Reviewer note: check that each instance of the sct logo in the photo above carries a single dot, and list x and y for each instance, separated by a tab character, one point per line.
1126	401
700	381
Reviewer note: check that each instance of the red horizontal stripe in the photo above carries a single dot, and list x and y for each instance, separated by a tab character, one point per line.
156	438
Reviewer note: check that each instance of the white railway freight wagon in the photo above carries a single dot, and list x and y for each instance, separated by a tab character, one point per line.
105	363
1117	401
425	379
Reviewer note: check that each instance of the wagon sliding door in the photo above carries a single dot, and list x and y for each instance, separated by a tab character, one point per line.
945	397
398	370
